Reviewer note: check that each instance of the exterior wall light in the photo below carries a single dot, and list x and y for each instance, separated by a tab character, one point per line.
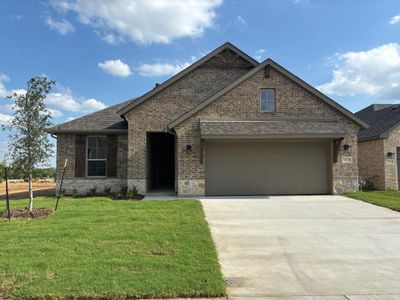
188	149
347	148
390	155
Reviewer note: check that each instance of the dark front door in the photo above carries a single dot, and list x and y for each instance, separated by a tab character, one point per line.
161	160
398	167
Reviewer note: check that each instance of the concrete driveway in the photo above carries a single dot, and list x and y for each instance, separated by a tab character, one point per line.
306	247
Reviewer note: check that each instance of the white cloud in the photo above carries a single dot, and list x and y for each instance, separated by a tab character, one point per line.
60	101
112	39
70	119
18	91
55	113
115	67
374	72
301	2
6	108
143	21
241	20
63	26
4	77
64	100
394	20
3	90
4	119
161	69
259	54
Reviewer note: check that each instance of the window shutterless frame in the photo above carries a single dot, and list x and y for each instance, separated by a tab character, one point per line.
95	159
271	101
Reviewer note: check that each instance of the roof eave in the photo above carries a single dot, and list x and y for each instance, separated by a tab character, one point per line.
273	136
86	131
371	138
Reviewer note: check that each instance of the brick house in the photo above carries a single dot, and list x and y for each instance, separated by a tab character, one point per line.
226	125
379	145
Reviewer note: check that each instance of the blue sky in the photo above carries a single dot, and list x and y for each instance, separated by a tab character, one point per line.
103	52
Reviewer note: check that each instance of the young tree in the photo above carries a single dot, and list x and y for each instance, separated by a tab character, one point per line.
28	141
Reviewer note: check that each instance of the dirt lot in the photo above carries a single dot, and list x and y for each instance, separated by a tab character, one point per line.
17	188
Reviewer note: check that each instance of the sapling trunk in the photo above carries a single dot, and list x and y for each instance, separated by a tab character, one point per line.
30	192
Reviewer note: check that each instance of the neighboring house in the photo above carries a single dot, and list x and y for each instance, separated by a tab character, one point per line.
379	145
226	125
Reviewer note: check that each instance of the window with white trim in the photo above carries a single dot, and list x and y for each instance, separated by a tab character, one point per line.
267	100
96	156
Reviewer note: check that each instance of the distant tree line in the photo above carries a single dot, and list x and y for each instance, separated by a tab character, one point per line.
17	173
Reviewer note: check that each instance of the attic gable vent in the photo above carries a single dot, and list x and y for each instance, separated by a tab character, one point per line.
267	71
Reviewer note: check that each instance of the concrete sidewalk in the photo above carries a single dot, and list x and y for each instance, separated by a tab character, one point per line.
306	247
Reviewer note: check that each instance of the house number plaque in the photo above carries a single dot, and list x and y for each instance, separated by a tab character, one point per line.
347	159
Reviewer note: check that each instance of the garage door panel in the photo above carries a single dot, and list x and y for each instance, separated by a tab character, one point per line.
257	168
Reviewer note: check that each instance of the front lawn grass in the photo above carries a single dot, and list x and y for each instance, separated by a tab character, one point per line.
388	199
100	248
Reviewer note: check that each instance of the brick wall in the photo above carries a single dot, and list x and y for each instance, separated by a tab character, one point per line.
371	162
391	172
374	160
244	102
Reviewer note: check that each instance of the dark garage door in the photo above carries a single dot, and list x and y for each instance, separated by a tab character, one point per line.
267	168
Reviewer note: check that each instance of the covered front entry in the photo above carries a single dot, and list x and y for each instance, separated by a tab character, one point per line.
161	162
268	167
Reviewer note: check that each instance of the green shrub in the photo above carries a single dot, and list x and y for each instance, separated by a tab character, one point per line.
92	191
107	190
124	189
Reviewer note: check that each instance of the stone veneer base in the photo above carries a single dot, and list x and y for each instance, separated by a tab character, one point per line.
191	187
343	185
140	184
82	185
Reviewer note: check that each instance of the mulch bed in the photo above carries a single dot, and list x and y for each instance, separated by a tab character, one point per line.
25	213
136	197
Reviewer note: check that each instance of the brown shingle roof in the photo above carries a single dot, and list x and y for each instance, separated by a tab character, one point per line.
278	128
106	120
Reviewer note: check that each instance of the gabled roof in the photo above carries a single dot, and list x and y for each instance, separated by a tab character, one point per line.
277	67
173	79
381	118
103	121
